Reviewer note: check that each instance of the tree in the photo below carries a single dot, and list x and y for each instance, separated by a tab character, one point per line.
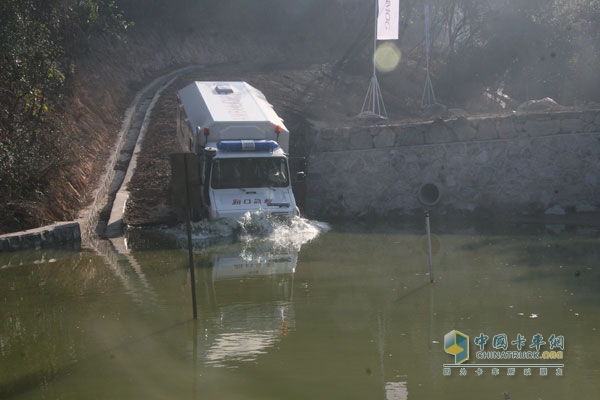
527	48
38	42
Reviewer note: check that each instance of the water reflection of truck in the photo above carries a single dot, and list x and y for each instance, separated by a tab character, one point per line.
242	146
251	293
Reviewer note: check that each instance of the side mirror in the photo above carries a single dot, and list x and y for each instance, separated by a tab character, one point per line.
300	176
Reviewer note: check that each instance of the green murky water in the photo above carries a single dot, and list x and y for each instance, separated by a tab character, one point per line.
342	313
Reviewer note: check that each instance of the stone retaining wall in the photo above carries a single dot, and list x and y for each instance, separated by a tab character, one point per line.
527	162
58	234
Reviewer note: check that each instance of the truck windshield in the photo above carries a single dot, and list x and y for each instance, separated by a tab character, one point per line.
250	172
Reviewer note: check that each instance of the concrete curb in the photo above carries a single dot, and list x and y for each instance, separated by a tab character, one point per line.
60	233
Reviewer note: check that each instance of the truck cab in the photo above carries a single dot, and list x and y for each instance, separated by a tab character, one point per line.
241	144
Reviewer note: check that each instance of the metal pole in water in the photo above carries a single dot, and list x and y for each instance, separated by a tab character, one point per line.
429	246
189	238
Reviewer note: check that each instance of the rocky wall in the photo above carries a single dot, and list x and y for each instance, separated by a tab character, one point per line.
66	234
528	163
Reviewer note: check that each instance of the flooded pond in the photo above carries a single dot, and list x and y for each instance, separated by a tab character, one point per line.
308	311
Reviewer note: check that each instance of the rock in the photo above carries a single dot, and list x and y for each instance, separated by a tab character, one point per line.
555	210
435	110
582	208
545	104
457	112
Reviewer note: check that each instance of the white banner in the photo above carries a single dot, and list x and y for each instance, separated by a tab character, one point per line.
387	19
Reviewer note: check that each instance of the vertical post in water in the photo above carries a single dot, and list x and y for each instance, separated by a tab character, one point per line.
429	246
188	214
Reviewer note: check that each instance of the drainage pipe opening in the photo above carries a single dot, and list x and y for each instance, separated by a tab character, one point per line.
429	194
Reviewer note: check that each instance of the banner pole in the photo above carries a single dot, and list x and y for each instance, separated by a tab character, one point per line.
189	237
428	229
375	37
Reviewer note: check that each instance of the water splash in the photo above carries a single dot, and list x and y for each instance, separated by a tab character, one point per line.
257	228
254	229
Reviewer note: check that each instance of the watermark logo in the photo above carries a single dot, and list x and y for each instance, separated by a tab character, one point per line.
457	344
503	354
